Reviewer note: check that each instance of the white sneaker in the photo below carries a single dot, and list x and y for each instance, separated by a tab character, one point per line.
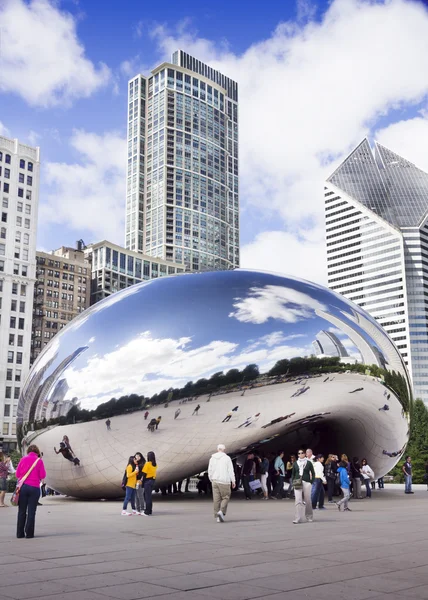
135	512
143	514
125	513
218	520
220	516
296	522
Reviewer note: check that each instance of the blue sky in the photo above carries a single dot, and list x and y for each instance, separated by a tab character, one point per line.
315	78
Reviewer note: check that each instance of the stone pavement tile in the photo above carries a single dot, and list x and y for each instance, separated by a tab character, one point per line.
233	591
133	591
36	589
418	592
111	566
414	577
75	595
191	567
149	574
192	582
14	559
95	580
386	583
248	559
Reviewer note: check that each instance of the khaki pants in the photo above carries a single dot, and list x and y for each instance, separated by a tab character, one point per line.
221	497
301	495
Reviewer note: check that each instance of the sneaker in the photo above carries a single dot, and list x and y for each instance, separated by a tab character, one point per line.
296	522
310	520
331	502
348	510
143	514
135	512
125	513
218	520
322	508
220	516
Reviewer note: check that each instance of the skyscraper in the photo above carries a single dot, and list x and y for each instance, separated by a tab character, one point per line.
182	200
19	195
376	208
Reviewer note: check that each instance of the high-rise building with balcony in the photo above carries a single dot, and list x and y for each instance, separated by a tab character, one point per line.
19	195
376	210
182	200
62	291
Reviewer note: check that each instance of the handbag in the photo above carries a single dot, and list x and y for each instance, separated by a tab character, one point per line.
298	483
15	496
255	485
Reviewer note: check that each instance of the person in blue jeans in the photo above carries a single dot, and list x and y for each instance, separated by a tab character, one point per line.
407	470
344	486
317	494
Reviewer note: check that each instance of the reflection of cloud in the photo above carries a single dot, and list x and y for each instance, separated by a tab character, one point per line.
146	365
273	339
275	302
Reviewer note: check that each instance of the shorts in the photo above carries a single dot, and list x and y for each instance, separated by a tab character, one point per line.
3	484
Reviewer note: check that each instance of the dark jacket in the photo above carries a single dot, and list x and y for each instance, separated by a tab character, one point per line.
308	472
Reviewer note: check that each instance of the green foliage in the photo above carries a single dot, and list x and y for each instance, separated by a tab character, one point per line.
417	447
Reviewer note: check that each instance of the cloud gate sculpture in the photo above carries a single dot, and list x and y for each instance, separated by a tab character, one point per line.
272	362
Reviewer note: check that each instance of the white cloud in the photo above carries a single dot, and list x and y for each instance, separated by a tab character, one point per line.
275	302
147	365
408	138
308	94
285	252
90	194
42	59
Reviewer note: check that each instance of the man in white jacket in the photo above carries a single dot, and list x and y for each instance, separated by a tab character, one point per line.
222	476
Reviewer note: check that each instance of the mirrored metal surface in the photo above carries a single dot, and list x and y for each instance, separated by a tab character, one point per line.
271	361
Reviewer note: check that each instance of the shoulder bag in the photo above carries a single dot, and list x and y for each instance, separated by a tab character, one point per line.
15	496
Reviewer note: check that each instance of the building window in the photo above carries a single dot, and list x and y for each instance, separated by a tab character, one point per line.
16	393
7	410
21	192
19	358
29	180
9	374
22	164
21	178
10	356
8	392
4	217
3	233
30	166
5	428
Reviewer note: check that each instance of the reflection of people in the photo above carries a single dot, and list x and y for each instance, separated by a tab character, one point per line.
67	452
235	409
132	470
32	470
158	420
227	417
196	411
149	478
152	425
249	420
146	414
108	423
177	412
222	476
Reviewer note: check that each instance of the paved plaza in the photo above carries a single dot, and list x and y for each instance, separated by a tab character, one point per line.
87	551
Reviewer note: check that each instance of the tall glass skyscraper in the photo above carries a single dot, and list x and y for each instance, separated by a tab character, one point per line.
182	200
376	209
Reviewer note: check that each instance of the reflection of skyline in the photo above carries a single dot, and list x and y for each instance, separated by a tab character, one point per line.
260	319
328	344
43	391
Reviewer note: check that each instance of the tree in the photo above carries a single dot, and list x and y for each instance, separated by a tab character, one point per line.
250	372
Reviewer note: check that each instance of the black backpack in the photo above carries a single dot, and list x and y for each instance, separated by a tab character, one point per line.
124	480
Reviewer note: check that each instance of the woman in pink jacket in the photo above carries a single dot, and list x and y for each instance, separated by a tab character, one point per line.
30	491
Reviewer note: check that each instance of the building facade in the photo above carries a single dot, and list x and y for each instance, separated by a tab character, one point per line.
376	209
182	200
114	268
19	196
62	291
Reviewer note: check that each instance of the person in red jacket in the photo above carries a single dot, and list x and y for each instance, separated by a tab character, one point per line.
30	490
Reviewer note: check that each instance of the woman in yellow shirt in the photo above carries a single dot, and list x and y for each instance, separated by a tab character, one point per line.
131	483
149	477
